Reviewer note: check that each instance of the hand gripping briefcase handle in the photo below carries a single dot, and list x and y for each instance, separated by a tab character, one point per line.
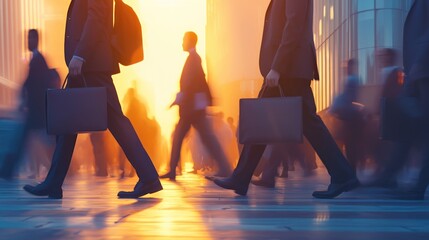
76	110
270	120
264	87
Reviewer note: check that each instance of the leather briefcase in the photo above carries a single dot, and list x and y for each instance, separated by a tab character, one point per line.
76	110
270	120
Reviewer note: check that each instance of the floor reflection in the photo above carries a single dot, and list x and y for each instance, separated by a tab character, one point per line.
194	208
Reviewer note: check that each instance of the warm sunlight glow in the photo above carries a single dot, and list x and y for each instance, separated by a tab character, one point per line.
164	22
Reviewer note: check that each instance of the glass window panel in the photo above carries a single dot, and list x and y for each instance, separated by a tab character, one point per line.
389	28
362	5
365	29
353	6
389	4
366	65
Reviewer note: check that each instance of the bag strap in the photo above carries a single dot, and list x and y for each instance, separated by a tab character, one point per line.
67	78
264	87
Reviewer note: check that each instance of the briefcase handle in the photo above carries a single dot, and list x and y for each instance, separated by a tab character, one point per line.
264	87
67	78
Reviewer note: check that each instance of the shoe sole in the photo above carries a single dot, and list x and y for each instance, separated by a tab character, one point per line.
242	193
350	186
149	192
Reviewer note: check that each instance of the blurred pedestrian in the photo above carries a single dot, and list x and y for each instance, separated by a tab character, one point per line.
193	98
39	78
89	55
288	60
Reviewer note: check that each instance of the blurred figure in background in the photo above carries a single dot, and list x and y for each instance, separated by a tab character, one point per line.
283	156
193	98
148	131
391	76
100	149
231	125
234	129
346	108
416	62
39	78
226	137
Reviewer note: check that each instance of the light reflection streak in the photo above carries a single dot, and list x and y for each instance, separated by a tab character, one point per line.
162	214
322	214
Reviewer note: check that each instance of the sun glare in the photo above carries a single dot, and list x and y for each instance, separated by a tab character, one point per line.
164	22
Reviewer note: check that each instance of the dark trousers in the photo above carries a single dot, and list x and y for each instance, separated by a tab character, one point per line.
199	121
119	126
422	93
419	129
314	130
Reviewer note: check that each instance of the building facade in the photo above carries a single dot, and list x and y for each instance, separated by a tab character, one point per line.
16	18
233	39
343	29
354	29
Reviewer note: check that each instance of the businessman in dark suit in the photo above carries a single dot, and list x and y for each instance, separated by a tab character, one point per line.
288	59
416	62
193	98
88	54
33	101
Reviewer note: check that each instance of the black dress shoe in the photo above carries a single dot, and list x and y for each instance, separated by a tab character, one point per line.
229	183
142	189
40	190
335	189
169	175
263	183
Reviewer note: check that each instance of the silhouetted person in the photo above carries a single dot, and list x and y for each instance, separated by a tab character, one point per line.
33	102
277	156
288	59
231	124
416	62
101	154
148	130
285	154
389	154
193	98
88	53
350	114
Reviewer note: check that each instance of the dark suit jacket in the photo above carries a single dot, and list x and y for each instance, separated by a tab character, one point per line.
416	41
33	91
88	35
192	81
287	43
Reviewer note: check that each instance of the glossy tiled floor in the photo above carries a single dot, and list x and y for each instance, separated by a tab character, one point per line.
194	208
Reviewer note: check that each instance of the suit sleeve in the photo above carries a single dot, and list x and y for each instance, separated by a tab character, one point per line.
421	60
194	81
98	12
296	18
